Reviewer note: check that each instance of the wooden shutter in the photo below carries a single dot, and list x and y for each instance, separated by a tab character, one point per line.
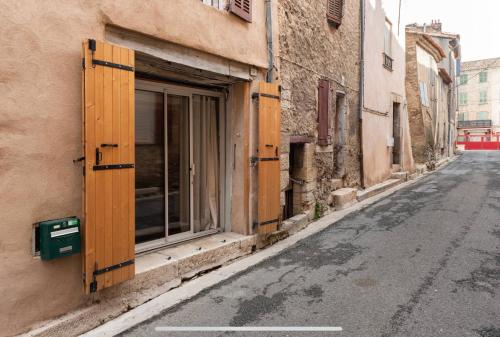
242	8
324	137
109	183
335	11
269	209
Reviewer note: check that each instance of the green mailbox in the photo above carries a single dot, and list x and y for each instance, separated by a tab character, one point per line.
60	237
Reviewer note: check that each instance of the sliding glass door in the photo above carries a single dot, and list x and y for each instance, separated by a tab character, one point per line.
178	163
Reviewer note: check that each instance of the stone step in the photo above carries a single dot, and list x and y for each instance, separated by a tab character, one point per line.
336	184
400	175
344	197
396	168
379	188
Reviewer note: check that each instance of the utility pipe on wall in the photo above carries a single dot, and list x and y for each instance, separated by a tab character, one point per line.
361	88
269	28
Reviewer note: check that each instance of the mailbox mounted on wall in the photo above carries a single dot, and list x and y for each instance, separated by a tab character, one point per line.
59	237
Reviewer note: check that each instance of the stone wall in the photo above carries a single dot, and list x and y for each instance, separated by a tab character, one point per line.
415	113
312	49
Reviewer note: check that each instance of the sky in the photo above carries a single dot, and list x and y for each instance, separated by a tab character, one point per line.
476	21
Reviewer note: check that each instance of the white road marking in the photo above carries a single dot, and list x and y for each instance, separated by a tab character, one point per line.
248	329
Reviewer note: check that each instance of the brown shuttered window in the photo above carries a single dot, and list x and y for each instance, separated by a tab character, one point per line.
335	11
242	8
323	115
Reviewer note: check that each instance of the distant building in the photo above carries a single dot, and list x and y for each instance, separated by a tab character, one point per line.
479	98
432	61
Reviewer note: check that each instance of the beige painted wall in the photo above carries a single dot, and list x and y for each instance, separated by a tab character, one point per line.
40	124
381	88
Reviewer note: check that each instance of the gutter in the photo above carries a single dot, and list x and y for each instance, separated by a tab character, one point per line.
269	29
361	89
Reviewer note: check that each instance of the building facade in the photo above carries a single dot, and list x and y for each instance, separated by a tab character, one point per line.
386	134
319	63
452	64
168	101
479	98
429	89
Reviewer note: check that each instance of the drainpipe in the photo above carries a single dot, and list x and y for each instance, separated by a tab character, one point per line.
361	89
269	28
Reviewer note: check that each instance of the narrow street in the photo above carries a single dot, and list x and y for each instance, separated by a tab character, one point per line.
423	262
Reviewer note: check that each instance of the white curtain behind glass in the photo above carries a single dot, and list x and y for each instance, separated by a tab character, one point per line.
206	163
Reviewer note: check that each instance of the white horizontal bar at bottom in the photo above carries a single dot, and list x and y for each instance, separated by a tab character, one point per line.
249	329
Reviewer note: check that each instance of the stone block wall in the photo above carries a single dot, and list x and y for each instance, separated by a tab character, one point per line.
312	49
415	115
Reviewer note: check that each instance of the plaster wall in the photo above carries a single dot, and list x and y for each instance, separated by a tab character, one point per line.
382	88
40	125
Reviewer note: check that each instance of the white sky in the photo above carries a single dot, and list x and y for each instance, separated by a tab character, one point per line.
476	21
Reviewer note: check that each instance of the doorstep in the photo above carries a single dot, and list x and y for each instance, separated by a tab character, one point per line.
156	273
379	188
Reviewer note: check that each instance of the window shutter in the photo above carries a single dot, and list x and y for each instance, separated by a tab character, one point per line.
323	113
242	8
335	11
109	181
269	169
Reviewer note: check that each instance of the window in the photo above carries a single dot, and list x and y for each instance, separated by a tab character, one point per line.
483	97
464	79
388	45
219	4
387	38
482	115
335	11
462	98
461	117
424	97
483	77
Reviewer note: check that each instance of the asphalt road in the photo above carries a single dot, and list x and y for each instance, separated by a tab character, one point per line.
422	262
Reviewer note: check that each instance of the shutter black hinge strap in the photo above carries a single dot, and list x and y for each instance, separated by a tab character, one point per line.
114	267
112	65
256	95
93	284
93	47
258	224
255	160
112	167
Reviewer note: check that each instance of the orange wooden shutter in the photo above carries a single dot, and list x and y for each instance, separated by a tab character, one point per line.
242	8
335	11
269	209
109	184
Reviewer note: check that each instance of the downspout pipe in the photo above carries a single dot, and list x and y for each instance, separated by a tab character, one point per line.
361	89
269	29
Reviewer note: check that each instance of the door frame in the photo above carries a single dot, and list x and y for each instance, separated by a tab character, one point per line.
187	91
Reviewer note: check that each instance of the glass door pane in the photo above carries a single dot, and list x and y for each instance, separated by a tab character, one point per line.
150	166
178	164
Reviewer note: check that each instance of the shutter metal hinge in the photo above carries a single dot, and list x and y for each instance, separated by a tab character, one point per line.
268	222
93	284
93	47
255	160
257	95
112	167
